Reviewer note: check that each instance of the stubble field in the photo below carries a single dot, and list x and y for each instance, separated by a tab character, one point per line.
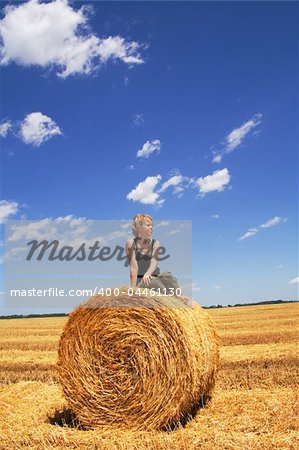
253	404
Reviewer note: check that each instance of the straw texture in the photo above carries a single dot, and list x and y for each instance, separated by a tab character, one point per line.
134	362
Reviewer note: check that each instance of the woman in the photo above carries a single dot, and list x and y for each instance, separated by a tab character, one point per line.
141	251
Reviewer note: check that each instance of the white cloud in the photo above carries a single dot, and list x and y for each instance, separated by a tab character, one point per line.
37	128
216	216
115	47
125	225
159	203
148	191
178	190
144	191
177	181
270	223
137	120
217	159
249	233
218	287
163	223
215	182
275	221
173	181
235	138
4	128
70	231
192	287
176	231
294	280
148	148
44	228
195	287
7	209
55	35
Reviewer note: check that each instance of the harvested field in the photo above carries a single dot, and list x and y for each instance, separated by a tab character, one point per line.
253	405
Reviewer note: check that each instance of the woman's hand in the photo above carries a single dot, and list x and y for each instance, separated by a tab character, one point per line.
146	280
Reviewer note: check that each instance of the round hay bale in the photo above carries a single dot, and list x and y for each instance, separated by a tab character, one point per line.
136	362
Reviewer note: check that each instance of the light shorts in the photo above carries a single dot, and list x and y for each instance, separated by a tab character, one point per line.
162	281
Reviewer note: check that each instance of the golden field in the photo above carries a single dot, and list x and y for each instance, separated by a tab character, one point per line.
253	404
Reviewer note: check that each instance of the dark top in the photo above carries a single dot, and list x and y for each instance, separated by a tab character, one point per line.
144	261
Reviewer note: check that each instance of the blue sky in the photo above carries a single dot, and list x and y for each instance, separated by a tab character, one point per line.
183	110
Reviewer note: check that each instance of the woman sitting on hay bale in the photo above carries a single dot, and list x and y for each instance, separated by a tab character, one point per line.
141	366
144	270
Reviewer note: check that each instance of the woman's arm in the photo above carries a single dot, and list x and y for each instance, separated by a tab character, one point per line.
133	263
153	265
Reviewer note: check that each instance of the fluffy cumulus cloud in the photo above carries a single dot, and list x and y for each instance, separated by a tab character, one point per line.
116	47
235	138
294	281
37	128
268	224
4	128
176	182
218	181
148	148
145	193
72	231
47	229
149	190
7	209
53	34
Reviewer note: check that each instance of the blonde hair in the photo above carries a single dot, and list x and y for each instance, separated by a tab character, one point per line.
138	221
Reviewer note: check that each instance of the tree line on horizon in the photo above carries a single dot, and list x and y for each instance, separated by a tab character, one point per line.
30	316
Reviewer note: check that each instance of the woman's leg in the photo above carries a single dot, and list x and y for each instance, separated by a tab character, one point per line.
166	282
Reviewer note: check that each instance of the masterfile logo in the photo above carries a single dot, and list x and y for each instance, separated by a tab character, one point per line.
74	257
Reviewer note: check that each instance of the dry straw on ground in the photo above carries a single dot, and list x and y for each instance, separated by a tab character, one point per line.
137	362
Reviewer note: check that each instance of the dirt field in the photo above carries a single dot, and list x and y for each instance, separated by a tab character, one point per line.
253	405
